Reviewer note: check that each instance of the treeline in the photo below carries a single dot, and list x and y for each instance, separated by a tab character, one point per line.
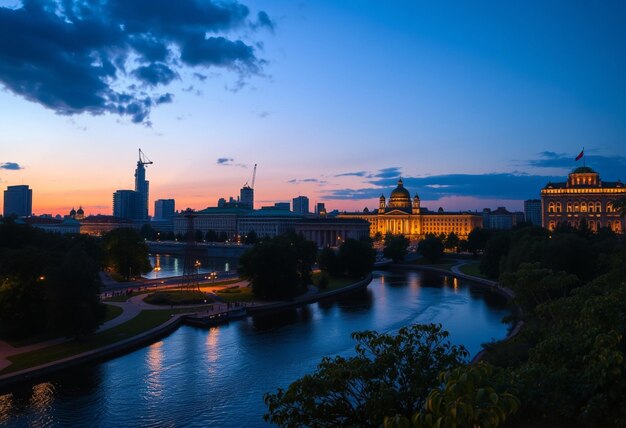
281	267
568	363
150	234
50	283
565	368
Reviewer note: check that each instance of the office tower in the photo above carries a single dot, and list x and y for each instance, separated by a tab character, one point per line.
18	201
246	197
128	204
164	208
532	211
300	205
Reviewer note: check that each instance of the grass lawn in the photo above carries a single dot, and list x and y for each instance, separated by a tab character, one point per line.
177	297
471	269
216	283
112	312
146	320
442	263
236	294
334	283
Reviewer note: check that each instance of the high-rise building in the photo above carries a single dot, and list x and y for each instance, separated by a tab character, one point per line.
164	208
300	205
320	209
142	188
127	204
246	197
532	211
18	201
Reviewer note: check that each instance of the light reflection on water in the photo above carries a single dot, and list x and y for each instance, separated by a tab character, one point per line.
217	377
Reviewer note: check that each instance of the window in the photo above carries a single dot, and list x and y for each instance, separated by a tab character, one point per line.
551	207
576	207
569	207
558	207
598	207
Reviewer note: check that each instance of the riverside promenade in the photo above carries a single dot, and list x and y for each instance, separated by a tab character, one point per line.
133	309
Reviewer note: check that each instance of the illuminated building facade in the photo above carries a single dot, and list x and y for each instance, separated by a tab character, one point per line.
583	196
403	215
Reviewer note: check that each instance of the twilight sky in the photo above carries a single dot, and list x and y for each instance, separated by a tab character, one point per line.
474	104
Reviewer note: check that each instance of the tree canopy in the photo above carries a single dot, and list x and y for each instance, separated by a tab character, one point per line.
126	252
395	247
389	375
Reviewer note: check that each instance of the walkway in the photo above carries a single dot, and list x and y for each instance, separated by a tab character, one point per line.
130	308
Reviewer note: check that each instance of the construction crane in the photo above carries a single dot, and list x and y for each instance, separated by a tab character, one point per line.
253	178
143	159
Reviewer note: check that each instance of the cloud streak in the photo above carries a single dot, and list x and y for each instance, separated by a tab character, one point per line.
230	162
109	57
11	166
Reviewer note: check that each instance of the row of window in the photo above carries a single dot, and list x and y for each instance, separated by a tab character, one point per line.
615	226
583	207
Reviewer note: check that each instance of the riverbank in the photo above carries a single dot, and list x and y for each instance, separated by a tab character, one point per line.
129	331
455	270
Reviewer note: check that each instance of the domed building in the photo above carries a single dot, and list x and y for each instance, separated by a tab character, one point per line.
584	197
403	215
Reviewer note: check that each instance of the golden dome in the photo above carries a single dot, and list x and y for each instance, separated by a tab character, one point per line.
400	197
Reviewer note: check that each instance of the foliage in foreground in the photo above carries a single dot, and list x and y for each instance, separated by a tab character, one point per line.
467	397
389	375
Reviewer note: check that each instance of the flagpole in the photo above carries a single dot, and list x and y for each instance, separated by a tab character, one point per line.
584	160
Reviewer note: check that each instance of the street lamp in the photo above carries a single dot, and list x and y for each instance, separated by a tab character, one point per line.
156	276
213	276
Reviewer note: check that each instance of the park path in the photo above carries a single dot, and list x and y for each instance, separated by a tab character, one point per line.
457	267
130	309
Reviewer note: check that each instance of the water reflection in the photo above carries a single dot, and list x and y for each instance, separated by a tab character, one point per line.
217	376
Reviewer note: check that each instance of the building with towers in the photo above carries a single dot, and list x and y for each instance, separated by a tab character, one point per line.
583	198
403	215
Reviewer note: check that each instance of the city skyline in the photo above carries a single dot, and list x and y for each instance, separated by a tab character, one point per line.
473	106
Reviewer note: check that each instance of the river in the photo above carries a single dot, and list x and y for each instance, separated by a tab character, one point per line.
217	376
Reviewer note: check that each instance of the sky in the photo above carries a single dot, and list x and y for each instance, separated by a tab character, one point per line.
473	104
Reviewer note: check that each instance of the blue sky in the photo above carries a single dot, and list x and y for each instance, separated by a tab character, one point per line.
475	104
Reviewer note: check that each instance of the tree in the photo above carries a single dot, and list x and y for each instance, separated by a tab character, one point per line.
477	240
279	268
126	252
467	397
211	236
497	248
452	241
388	375
72	295
396	247
356	258
251	238
328	261
431	248
198	236
148	233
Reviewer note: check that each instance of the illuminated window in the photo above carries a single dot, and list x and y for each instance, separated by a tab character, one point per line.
551	207
558	207
569	207
576	208
598	207
583	207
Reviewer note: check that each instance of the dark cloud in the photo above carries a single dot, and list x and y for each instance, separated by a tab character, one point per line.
229	162
485	186
610	168
164	99
263	20
155	74
393	171
353	174
307	180
12	166
74	56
